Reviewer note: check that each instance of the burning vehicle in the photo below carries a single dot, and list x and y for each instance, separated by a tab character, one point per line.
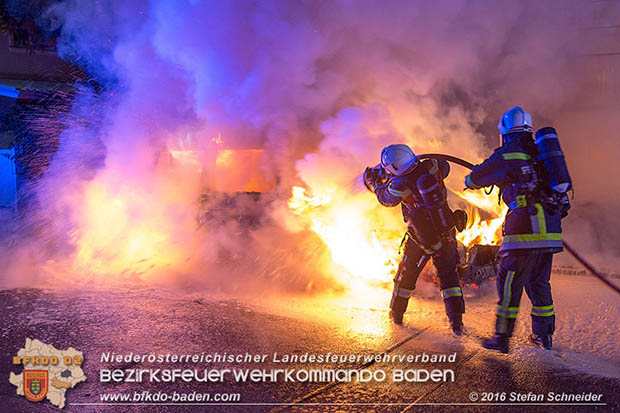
155	175
362	240
480	264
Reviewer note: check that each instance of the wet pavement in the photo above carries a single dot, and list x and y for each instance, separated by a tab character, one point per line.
147	320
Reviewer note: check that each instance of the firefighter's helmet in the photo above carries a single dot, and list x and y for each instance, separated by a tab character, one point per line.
516	119
398	159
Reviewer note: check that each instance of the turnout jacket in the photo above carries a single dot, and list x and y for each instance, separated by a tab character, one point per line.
528	227
404	189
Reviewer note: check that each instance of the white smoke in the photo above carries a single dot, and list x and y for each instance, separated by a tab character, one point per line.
321	86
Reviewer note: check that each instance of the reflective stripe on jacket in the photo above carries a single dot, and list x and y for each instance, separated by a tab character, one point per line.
528	225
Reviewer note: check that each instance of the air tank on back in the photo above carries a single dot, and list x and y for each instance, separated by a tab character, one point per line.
553	158
434	199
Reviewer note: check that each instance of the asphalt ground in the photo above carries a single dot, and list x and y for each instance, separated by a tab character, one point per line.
147	320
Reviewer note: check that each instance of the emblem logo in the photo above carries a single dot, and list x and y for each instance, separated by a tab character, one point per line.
36	384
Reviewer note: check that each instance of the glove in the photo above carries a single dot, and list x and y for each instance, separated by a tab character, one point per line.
556	203
460	220
564	206
469	184
372	178
444	167
369	179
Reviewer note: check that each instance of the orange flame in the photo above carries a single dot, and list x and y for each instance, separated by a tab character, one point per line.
136	225
480	231
359	242
121	232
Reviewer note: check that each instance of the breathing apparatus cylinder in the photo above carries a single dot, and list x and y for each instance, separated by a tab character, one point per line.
438	216
552	158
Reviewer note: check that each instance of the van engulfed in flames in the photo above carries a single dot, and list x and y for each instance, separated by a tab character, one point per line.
137	230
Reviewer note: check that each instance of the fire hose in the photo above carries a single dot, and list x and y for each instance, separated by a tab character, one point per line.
448	158
570	249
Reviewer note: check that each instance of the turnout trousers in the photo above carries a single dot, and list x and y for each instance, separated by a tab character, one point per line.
533	272
413	262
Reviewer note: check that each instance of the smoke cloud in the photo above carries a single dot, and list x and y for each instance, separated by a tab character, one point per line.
321	87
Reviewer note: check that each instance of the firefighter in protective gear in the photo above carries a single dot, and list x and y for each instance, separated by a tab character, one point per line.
419	188
532	232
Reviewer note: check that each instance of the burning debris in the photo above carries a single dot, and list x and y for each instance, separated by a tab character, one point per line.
480	264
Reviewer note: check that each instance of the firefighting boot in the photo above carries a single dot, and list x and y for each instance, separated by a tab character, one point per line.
397	318
456	324
455	307
498	342
398	306
542	341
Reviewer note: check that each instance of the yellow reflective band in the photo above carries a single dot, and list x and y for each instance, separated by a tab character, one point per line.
507	312
435	167
452	292
547	314
507	289
533	237
516	155
506	315
396	192
470	184
542	223
403	292
543	311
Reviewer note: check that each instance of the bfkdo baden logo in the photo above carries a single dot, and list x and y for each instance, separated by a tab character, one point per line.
36	383
48	372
